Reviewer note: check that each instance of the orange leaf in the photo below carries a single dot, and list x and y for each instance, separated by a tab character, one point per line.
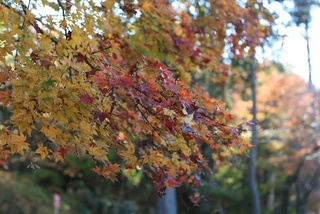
171	183
5	97
18	144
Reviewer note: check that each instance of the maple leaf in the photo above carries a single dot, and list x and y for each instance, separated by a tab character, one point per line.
122	81
46	61
48	84
108	171
168	123
188	120
58	157
169	81
228	117
63	151
3	163
99	79
169	112
35	57
48	131
172	182
96	152
101	116
5	97
146	7
86	99
113	168
43	151
80	57
97	170
18	144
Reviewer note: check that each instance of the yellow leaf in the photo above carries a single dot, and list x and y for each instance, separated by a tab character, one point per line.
4	136
43	151
108	4
97	152
85	128
60	49
177	146
48	131
188	120
146	7
18	144
64	24
178	31
30	17
169	112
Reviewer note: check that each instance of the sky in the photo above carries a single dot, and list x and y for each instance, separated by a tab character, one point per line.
295	53
292	50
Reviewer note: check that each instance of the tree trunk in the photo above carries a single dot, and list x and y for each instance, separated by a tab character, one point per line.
301	199
311	88
253	151
310	85
272	194
167	204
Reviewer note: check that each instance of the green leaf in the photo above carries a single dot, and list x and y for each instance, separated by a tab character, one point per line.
48	84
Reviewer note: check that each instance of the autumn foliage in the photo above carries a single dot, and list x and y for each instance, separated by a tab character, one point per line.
112	80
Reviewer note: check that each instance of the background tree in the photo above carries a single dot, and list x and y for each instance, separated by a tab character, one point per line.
286	140
254	141
301	15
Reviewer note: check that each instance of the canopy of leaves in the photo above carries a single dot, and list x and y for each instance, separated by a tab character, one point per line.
95	78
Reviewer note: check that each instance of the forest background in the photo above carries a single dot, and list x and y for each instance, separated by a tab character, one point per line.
109	103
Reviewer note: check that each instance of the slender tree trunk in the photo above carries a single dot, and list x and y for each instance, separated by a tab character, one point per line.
167	204
272	194
310	85
253	152
311	89
301	199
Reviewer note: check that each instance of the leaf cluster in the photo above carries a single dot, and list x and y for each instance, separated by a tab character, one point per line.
97	82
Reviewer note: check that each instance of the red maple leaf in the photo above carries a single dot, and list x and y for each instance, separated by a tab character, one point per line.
63	151
80	57
86	99
172	182
99	79
97	170
228	117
